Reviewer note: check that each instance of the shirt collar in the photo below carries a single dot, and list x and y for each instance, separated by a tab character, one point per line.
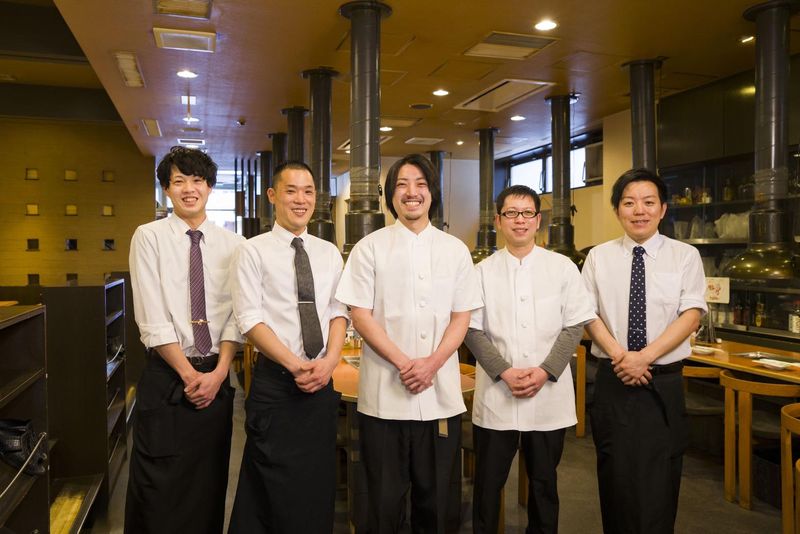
425	234
180	227
285	236
651	246
526	262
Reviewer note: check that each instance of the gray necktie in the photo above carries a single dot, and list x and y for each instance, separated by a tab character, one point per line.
197	294
309	320
637	303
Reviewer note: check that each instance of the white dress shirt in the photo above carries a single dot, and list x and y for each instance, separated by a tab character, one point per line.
159	263
674	283
526	306
412	283
265	285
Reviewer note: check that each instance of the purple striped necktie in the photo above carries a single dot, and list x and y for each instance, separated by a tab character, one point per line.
197	293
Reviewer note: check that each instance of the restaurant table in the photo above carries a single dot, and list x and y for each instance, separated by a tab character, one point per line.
725	355
345	381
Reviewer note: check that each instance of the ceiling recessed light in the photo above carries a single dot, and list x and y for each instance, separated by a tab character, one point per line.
188	119
386	128
347	151
545	25
517	118
186	73
459	142
441	92
744	39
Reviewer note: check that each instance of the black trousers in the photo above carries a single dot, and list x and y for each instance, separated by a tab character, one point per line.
403	455
640	435
179	462
287	483
494	451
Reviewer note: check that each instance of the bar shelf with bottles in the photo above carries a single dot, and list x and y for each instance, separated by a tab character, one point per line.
761	310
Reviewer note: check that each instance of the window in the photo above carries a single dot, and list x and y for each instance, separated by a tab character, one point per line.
31	209
108	244
33	245
577	167
108	210
71	209
33	279
529	173
72	279
71	244
70	175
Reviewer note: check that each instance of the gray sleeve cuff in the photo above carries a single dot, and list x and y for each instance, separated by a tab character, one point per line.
486	353
562	351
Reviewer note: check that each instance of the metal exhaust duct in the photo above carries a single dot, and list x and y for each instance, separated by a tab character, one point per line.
321	224
487	239
561	233
363	214
265	207
643	112
770	253
437	158
295	121
279	151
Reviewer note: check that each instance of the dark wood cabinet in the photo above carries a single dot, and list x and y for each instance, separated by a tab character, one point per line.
24	498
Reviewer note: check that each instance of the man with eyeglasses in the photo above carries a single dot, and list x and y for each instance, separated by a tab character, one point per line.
535	306
184	403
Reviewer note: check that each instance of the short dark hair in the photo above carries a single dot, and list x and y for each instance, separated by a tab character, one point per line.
428	171
293	165
637	175
517	191
189	161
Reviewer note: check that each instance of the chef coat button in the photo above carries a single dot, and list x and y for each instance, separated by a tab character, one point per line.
523	298
524	325
423	335
421	276
422	303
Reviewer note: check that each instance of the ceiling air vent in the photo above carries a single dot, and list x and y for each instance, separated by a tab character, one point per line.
427	141
503	94
501	45
186	141
198	9
151	127
128	66
346	144
185	40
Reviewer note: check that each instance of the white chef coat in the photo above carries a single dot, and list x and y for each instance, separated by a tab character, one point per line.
411	282
159	263
264	285
674	283
527	305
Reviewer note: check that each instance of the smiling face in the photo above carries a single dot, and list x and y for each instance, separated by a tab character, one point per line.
189	195
412	198
640	210
519	233
294	197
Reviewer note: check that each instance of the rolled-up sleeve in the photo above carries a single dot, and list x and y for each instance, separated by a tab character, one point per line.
150	310
693	290
357	284
246	288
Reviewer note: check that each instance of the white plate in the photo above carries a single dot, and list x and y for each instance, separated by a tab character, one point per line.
699	349
776	365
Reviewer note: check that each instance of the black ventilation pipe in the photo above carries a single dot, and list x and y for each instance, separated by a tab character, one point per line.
643	112
437	158
295	125
487	239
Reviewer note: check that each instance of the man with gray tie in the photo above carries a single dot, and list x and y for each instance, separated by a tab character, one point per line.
284	283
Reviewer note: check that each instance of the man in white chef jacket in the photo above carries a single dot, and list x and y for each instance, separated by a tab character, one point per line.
535	308
411	288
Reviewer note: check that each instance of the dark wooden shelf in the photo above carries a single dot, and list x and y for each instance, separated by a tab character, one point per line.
64	515
14	314
720	203
12	383
113	316
112	366
715	241
114	414
15	484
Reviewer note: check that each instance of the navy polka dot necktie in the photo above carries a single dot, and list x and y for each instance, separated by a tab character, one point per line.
637	303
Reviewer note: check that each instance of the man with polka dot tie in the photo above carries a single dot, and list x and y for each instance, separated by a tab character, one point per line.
641	338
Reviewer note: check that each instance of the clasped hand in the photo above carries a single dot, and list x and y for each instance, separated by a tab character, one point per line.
314	375
201	388
524	383
417	375
632	368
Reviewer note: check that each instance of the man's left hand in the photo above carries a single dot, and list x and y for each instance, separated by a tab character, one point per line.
633	369
418	375
203	390
536	381
315	374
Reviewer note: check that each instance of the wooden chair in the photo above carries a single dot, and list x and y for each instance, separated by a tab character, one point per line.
797	498
744	389
699	404
790	492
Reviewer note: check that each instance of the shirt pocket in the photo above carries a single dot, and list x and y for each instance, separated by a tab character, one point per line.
666	289
548	313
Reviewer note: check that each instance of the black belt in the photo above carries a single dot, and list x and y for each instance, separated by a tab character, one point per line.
197	362
655	370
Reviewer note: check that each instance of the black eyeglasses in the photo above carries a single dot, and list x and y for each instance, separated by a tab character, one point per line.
513	214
